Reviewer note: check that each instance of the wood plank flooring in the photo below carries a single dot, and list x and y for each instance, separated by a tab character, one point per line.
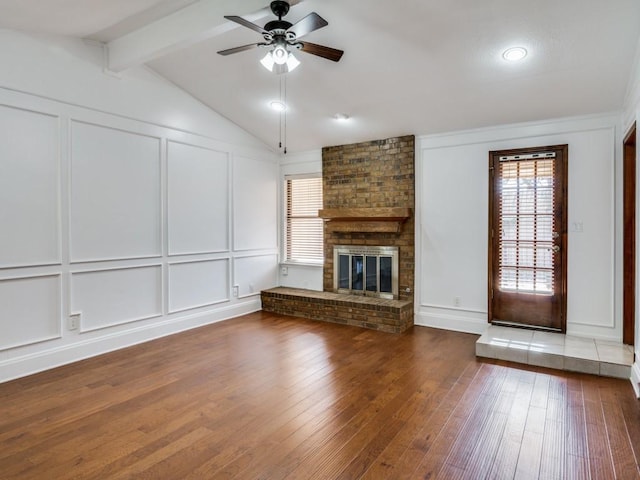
272	397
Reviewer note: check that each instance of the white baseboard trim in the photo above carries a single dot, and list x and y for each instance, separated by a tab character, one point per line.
55	357
451	319
635	377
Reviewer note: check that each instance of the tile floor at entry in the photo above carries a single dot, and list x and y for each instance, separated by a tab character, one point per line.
556	350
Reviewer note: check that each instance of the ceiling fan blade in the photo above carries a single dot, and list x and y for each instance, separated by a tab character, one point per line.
229	51
322	51
246	23
308	24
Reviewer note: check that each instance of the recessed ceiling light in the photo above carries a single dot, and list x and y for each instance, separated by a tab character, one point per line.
278	106
514	54
341	117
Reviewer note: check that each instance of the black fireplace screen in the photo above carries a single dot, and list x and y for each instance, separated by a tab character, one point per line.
366	270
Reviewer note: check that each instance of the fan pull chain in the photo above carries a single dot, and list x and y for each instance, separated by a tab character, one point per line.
280	118
285	115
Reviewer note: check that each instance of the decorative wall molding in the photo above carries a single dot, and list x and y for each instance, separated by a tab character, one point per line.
30	187
129	120
223	295
517	131
108	297
115	206
198	195
30	320
253	276
37	361
255	224
601	224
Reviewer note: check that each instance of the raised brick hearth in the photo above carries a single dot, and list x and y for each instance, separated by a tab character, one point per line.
393	316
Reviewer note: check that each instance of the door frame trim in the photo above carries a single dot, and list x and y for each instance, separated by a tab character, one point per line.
563	228
629	235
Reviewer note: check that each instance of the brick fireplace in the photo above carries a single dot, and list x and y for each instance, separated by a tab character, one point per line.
369	200
375	181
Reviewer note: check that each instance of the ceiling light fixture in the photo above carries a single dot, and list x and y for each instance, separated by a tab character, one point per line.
514	54
341	117
278	106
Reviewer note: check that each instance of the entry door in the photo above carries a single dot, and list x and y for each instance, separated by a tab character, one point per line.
527	237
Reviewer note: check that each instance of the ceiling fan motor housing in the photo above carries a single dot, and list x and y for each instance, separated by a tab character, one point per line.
275	25
279	8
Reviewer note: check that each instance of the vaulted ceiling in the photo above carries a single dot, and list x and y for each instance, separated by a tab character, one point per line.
410	67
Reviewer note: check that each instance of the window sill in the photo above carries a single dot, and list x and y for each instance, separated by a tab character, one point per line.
302	264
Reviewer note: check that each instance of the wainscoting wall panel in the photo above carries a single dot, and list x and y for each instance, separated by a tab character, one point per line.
255	273
115	194
126	222
29	188
255	196
198	284
453	235
30	310
105	298
198	203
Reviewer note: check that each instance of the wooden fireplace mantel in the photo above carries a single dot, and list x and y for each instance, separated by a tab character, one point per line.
372	219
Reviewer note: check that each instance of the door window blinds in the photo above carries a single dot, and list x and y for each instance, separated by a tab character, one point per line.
527	223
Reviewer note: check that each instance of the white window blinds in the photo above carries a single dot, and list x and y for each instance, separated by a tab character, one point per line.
527	225
303	235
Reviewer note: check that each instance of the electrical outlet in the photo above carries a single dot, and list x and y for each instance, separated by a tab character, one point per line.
74	321
236	290
284	270
456	301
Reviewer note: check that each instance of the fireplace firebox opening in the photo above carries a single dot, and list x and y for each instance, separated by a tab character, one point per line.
366	270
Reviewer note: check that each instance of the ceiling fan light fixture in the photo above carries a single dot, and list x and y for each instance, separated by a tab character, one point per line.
281	35
267	62
288	65
280	55
292	62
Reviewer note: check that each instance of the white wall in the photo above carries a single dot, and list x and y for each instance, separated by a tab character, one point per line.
452	215
120	202
298	276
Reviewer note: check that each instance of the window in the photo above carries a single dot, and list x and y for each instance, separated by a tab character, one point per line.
527	225
303	229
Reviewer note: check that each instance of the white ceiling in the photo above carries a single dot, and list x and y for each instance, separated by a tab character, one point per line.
410	67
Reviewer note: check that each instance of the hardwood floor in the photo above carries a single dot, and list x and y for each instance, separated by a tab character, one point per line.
273	397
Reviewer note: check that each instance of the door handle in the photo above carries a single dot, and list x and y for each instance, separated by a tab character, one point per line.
556	248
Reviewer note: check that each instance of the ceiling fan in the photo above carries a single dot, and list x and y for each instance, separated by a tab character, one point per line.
280	35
